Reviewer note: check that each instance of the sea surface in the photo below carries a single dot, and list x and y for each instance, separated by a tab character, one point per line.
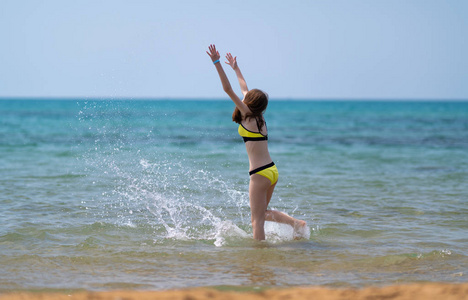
150	195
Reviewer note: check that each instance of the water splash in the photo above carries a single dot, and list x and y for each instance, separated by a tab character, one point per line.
179	197
278	233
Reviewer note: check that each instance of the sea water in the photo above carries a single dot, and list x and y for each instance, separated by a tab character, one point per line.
111	194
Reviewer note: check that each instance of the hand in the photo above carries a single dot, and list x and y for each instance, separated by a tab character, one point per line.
214	54
232	61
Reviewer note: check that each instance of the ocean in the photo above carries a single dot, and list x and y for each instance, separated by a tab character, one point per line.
152	195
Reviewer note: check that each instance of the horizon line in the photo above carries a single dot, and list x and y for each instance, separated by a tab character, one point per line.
110	98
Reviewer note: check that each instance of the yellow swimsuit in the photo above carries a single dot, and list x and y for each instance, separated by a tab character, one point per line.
248	135
269	170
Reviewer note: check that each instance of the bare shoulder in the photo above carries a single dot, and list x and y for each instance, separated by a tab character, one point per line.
243	108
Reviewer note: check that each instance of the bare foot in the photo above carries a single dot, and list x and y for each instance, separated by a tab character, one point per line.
301	230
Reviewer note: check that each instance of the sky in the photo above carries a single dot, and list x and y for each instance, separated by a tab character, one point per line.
316	49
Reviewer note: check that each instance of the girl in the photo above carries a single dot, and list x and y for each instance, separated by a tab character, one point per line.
252	128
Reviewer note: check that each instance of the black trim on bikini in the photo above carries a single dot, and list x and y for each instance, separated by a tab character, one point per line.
261	168
252	131
255	139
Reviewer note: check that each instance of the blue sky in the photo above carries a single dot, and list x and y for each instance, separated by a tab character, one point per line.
336	49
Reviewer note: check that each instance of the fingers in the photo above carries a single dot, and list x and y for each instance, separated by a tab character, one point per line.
229	56
213	53
212	49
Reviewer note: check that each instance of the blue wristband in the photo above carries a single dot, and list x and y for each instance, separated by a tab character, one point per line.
216	61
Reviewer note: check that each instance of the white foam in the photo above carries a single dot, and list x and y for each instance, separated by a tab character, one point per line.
228	230
277	232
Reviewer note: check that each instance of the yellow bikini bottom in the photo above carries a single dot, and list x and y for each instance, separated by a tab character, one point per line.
269	171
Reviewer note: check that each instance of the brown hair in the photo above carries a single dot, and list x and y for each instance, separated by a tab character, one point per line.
257	101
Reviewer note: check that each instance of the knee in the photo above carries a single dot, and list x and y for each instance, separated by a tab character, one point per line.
258	215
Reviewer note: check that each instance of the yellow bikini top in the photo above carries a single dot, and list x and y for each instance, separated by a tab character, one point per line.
248	135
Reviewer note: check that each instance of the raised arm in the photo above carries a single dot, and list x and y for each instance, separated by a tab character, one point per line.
232	61
214	55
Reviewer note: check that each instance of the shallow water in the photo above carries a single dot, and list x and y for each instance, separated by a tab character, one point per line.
153	194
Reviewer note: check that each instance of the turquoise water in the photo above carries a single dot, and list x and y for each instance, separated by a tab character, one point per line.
153	194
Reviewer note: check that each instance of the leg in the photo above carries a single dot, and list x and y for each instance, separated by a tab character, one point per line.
258	190
279	217
270	192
